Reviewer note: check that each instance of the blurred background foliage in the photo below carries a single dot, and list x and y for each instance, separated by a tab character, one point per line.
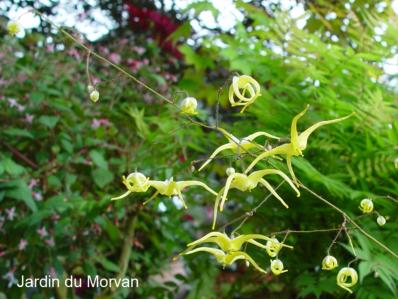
62	156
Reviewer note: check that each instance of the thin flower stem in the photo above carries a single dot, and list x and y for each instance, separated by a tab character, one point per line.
386	248
117	67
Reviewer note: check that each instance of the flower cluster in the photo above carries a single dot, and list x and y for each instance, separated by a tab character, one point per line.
367	207
230	249
243	91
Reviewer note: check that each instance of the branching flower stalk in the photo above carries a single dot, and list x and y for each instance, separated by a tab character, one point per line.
243	92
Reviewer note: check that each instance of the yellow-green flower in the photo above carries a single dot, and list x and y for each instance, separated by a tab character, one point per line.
234	244
245	182
188	106
366	206
243	91
298	143
347	278
237	145
273	246
329	262
13	28
277	267
94	95
137	182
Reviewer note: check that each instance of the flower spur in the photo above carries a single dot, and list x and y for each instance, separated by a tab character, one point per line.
237	145
228	258
298	142
136	182
170	187
245	182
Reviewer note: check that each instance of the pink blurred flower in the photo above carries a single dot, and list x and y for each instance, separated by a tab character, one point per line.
139	50
22	244
50	48
96	123
74	53
50	242
134	64
12	102
20	108
37	196
10	277
42	232
32	183
53	272
10	213
115	58
55	217
28	118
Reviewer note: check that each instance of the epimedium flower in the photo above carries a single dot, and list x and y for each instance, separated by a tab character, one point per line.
329	262
298	142
188	106
243	91
277	267
13	28
227	258
245	182
237	145
233	244
136	182
381	220
273	246
347	278
366	206
170	187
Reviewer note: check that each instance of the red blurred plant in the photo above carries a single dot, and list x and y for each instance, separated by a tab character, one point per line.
160	26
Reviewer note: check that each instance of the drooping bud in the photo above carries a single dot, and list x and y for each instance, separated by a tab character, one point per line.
94	96
329	262
189	105
366	206
381	220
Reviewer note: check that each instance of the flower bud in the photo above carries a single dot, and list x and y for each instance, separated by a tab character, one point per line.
243	91
13	28
381	220
230	170
277	267
344	275
94	96
189	105
366	206
329	263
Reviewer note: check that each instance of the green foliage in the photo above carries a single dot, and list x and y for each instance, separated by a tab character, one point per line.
62	156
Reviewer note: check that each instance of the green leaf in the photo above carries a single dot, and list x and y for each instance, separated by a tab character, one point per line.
98	159
18	132
102	177
49	121
22	192
107	264
12	168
